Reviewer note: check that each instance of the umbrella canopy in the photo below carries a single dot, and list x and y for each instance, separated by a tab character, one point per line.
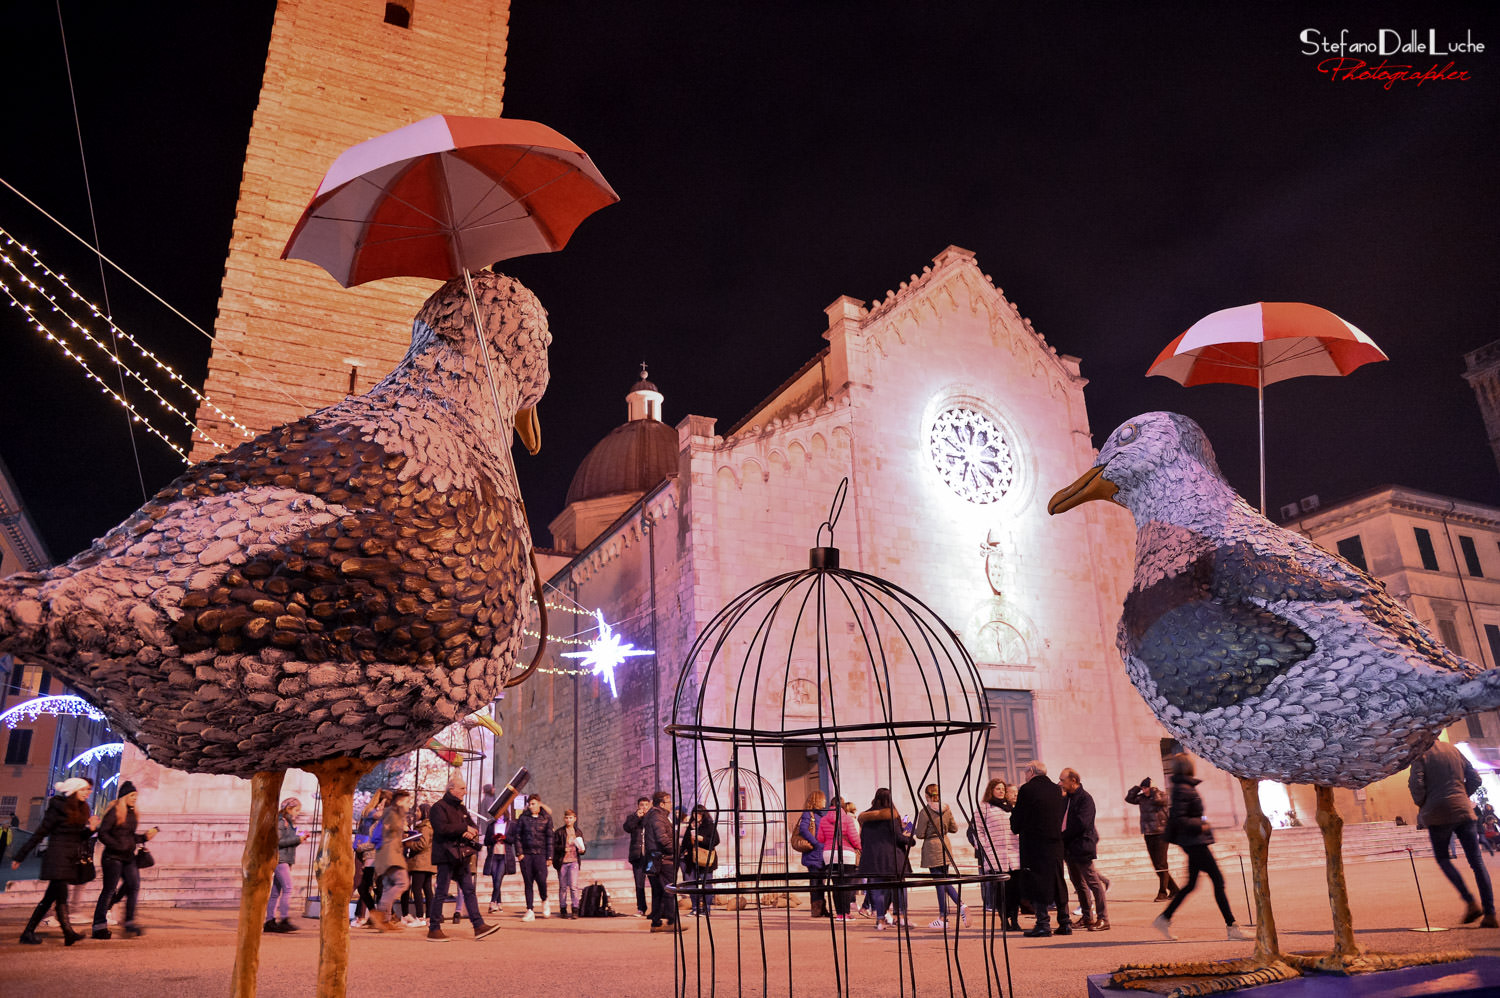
1261	344
446	195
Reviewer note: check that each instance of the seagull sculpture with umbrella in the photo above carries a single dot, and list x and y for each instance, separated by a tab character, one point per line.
337	590
1260	344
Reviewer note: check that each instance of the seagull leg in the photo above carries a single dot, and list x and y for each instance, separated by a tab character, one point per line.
257	866
336	780
1347	957
1258	836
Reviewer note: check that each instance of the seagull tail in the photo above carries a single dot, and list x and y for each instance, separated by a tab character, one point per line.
1482	692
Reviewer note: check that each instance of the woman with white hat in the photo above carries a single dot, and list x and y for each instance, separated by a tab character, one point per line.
68	828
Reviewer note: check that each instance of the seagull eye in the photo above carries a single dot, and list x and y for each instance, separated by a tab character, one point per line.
1127	433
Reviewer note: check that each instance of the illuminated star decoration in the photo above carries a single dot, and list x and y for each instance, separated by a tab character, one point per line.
90	756
59	706
605	653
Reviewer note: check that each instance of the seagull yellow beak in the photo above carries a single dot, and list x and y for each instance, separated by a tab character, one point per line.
529	429
1092	485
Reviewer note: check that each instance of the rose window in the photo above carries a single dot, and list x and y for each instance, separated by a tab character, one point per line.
971	455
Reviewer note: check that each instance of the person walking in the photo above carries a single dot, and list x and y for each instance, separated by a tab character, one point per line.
700	840
532	835
934	824
839	834
884	857
1037	821
419	865
364	853
1080	849
635	827
287	841
805	841
661	864
1154	804
1440	782
990	835
1191	832
502	859
68	829
567	859
117	831
390	862
455	843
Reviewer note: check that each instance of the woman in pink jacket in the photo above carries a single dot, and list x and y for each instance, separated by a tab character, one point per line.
839	832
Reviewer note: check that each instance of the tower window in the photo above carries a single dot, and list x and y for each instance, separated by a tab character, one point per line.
398	12
1471	555
1352	551
1424	548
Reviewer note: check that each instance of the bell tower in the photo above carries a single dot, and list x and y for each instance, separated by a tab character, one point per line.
287	338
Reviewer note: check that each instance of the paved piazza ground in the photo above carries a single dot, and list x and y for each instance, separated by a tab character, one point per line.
189	952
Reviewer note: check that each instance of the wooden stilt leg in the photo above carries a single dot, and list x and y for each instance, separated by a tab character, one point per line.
1332	825
257	867
336	780
1258	833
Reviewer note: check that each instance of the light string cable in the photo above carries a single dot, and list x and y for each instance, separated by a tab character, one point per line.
62	345
219	347
588	636
94	224
88	335
203	399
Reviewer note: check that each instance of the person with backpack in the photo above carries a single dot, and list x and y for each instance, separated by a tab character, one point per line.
567	858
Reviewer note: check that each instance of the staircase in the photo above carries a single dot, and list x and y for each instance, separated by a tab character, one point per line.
1119	856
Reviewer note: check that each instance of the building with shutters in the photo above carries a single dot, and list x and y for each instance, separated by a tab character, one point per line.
954	422
1441	558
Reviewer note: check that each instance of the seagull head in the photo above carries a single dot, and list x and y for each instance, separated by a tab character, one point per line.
516	337
1156	465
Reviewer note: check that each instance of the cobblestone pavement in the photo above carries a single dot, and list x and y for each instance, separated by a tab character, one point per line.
190	952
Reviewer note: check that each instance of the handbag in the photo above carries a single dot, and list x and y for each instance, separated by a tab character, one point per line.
799	841
85	871
143	859
705	859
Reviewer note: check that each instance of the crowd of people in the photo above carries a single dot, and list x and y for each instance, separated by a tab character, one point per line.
69	829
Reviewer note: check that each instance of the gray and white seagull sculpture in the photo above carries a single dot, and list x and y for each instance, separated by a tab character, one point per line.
1271	659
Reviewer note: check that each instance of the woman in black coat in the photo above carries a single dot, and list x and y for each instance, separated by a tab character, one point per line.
884	841
117	833
68	828
701	833
1188	828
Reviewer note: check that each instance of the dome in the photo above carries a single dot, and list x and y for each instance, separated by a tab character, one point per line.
635	457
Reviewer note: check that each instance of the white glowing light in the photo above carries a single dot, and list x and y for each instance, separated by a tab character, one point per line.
606	653
90	756
112	779
57	706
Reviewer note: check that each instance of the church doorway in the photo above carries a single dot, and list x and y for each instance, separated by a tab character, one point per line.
804	769
1013	738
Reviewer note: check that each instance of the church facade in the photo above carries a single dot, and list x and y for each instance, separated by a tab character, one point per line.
954	422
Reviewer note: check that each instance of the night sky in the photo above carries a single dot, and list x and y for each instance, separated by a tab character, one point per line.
1120	170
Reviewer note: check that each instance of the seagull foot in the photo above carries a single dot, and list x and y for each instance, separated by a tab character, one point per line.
1219	975
1360	962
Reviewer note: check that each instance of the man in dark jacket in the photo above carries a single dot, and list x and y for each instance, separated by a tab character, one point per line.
455	843
661	863
1037	819
1441	781
1154	804
635	825
1080	848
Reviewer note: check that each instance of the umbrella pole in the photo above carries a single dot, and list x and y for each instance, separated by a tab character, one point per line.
1260	402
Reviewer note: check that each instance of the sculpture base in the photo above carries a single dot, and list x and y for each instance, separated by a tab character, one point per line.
1468	978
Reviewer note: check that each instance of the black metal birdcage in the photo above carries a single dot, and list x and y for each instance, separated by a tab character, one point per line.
838	682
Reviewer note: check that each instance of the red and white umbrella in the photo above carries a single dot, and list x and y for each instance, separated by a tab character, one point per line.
1261	344
447	195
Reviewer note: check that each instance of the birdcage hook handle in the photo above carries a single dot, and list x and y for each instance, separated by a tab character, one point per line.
834	509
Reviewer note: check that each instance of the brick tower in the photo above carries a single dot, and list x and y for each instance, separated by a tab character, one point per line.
337	72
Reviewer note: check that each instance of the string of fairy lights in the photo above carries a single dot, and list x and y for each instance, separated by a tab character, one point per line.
602	648
79	326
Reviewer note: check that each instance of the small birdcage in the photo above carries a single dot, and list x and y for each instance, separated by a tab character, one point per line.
839	682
